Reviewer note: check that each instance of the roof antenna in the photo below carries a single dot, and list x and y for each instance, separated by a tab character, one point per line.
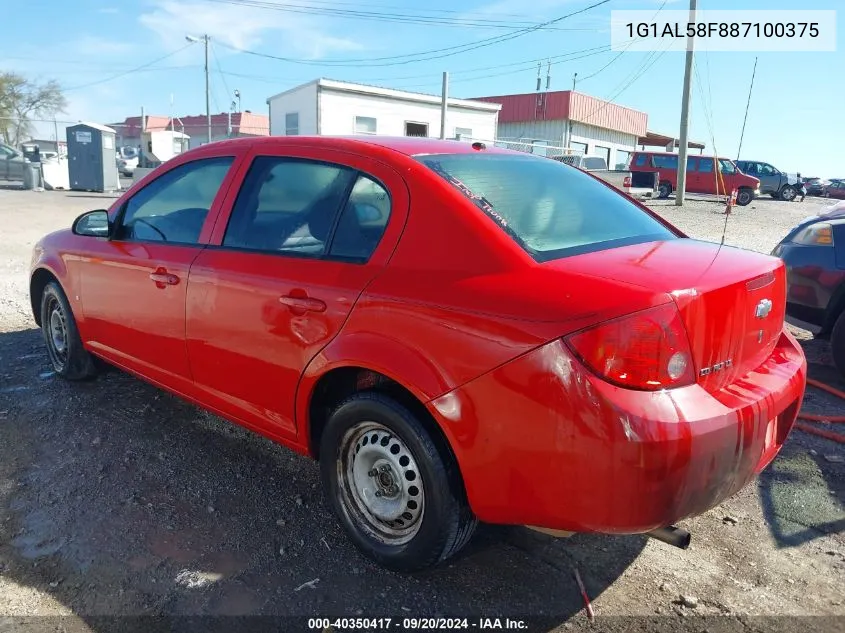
539	67
548	74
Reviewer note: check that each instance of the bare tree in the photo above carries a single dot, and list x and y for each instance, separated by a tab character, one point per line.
22	101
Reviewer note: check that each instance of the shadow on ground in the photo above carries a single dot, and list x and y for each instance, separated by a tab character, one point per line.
802	492
117	498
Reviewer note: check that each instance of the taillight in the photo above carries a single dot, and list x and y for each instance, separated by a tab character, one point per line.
626	182
647	350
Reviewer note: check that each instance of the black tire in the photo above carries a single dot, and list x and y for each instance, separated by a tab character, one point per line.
64	346
744	197
788	193
664	189
837	343
441	523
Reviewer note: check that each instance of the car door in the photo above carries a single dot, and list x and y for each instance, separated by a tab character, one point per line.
304	237
770	178
706	176
5	154
693	181
134	283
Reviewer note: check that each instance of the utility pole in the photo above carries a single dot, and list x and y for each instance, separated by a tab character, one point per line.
569	126
444	98
205	39
682	150
747	104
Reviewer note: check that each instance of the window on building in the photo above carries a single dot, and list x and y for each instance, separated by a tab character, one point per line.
578	147
416	129
622	159
173	207
365	125
287	206
292	124
665	161
604	152
463	131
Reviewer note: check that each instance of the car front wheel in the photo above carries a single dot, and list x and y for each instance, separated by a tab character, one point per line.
64	346
744	197
396	493
788	193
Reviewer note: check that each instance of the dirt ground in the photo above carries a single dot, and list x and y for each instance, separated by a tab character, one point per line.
117	499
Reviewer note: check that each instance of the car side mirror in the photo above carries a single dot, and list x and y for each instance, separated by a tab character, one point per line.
92	224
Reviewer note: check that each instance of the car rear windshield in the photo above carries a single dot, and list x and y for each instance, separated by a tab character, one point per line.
550	209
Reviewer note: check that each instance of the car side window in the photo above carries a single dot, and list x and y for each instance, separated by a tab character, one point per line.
174	206
288	205
666	162
705	165
362	221
641	160
691	163
767	170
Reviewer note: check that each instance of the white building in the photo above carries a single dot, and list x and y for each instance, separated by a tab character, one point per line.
336	108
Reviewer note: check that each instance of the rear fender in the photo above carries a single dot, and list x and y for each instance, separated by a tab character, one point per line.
402	363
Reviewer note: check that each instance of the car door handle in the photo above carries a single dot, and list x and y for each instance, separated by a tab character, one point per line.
303	304
163	278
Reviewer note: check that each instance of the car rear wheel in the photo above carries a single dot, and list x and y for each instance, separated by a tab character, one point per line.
397	495
744	197
788	193
664	189
64	346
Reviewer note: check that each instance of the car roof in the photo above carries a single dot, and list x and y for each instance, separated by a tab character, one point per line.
407	145
688	155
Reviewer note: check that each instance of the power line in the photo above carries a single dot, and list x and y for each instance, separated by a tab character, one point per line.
438	53
624	50
221	73
128	72
381	16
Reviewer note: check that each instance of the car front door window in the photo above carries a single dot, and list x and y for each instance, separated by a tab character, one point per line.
288	206
173	208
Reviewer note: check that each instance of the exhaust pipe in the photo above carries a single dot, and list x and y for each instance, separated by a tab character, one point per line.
672	535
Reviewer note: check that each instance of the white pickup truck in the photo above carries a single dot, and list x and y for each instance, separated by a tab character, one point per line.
636	184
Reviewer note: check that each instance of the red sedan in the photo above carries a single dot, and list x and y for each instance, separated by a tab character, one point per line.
456	332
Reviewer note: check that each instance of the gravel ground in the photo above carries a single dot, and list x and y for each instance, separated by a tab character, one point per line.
117	499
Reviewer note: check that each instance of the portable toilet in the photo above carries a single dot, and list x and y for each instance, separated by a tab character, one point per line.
91	158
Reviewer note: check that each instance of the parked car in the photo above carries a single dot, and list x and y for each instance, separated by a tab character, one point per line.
457	333
814	254
815	186
836	189
12	163
127	166
645	185
774	182
701	176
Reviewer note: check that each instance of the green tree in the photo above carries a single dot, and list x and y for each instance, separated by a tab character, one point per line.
22	101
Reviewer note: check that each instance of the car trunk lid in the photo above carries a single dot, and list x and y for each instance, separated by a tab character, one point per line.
732	301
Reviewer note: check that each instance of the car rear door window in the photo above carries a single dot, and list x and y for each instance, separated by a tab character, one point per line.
705	165
174	206
362	221
288	206
550	209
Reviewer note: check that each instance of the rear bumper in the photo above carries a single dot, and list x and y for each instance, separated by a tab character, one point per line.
542	441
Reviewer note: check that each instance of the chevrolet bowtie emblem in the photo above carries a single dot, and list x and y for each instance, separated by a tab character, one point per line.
763	309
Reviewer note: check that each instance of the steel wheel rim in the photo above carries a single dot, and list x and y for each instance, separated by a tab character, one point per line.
789	193
743	197
57	338
380	483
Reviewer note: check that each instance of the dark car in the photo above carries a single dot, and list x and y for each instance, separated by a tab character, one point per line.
815	186
814	254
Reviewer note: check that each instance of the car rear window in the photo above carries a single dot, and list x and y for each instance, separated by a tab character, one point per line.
550	209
